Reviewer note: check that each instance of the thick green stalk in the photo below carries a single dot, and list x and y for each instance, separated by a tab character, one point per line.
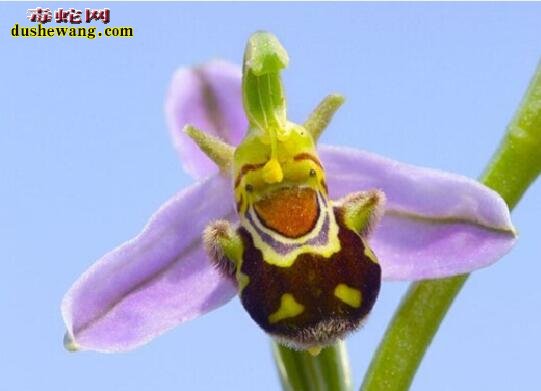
300	371
513	168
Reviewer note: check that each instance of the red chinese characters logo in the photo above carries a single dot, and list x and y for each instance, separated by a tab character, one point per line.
103	15
69	15
40	15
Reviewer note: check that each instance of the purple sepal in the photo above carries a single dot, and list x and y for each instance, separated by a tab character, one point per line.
155	281
436	224
209	98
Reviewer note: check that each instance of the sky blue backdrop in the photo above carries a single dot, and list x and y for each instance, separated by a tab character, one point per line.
85	158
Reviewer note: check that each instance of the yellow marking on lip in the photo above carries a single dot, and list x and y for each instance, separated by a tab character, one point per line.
289	308
301	245
348	295
369	253
243	280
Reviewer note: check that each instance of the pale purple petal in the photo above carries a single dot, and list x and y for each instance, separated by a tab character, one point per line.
436	224
208	97
155	281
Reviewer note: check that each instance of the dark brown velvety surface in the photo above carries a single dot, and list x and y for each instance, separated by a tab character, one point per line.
312	280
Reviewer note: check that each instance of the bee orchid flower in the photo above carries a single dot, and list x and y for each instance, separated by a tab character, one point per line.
303	234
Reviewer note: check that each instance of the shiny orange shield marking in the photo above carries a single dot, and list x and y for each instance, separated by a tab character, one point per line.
291	212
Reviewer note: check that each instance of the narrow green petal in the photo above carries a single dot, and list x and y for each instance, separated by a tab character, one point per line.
322	115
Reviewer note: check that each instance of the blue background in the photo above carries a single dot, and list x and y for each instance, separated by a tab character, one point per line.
85	158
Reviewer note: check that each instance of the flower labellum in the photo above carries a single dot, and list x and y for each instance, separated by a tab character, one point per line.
303	234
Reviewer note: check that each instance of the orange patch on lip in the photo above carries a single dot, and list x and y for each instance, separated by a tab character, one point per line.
292	212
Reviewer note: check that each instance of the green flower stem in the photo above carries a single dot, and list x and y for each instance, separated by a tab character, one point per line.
513	168
300	371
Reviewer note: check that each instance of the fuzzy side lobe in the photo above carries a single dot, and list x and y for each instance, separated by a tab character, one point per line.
318	299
